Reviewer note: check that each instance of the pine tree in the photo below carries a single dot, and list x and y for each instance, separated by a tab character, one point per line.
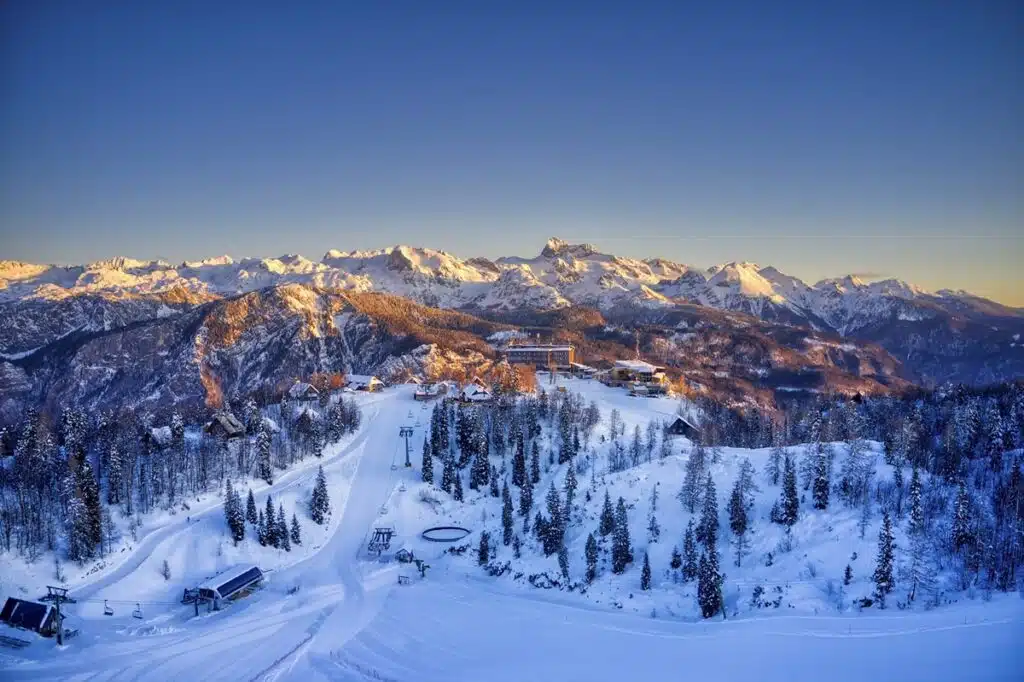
555	527
622	552
320	503
709	585
645	574
707	528
848	575
233	513
916	506
535	464
448	475
506	515
963	536
261	529
563	561
883	575
607	516
526	500
495	490
427	467
296	534
570	489
689	495
519	462
790	498
272	530
591	554
457	493
282	530
653	528
480	472
483	552
738	520
677	559
266	469
690	566
250	508
821	481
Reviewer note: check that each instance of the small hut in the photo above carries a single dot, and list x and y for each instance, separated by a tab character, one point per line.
225	425
302	391
681	427
30	615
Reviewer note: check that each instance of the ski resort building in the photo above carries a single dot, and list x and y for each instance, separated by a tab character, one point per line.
429	391
364	382
541	355
642	378
231	583
472	393
30	615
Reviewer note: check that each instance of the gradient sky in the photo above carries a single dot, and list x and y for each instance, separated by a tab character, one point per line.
882	138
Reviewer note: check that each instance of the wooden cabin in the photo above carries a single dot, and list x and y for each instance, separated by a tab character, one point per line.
302	391
225	425
681	427
30	615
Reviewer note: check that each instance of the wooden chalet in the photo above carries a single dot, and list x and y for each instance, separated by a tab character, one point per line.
225	425
302	391
364	382
680	426
30	615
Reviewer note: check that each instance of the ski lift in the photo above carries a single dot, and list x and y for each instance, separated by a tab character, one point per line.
394	467
107	611
137	613
410	414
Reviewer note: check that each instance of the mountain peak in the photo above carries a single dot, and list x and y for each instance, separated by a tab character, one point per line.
557	247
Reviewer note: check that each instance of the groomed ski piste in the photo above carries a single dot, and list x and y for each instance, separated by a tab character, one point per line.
328	611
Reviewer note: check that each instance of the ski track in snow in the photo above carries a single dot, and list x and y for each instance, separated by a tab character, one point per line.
347	622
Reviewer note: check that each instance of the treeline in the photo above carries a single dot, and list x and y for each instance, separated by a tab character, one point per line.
64	481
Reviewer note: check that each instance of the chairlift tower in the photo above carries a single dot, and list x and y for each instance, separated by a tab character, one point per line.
405	432
58	595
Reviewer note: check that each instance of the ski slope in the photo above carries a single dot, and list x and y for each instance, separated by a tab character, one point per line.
331	614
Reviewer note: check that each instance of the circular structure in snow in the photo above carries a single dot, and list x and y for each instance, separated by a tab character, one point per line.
445	533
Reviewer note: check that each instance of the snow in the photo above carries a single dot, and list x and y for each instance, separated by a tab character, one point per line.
561	275
327	612
638	366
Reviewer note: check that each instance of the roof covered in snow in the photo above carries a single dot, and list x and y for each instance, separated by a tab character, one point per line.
301	389
637	366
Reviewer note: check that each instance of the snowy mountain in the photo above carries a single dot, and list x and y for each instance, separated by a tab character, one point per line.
940	336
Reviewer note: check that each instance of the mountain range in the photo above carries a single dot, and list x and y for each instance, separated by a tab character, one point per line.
931	337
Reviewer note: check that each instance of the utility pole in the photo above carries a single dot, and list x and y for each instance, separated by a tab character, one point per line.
405	432
58	595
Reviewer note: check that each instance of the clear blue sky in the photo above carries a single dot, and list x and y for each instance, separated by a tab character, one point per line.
821	137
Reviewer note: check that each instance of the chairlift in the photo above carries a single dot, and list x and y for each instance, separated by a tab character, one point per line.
107	611
394	467
401	487
137	613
